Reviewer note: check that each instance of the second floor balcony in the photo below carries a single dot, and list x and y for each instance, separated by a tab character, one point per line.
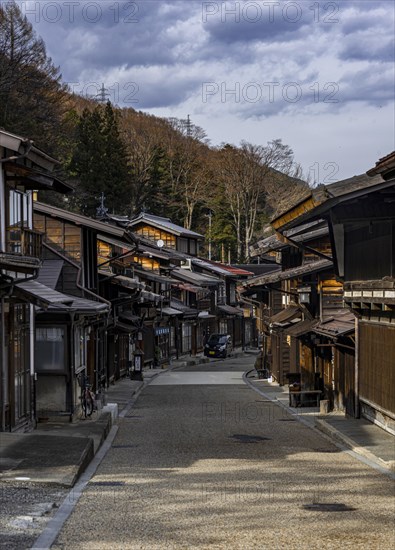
24	242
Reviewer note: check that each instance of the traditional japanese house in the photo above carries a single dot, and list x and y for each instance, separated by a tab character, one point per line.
81	335
361	217
23	168
293	302
237	321
163	231
198	292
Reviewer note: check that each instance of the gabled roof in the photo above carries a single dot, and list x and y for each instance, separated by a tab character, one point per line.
164	223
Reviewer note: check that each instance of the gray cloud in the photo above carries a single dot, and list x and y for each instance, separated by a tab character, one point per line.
169	49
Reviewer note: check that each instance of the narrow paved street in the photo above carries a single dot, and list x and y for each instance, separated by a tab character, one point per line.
203	461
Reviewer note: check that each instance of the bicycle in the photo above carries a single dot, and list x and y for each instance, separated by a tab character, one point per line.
87	397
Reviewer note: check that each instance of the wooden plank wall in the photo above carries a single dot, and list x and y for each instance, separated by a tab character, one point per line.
377	364
344	394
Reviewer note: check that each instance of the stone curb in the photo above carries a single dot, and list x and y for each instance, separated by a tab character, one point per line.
327	429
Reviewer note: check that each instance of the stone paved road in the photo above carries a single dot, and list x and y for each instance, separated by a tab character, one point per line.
202	461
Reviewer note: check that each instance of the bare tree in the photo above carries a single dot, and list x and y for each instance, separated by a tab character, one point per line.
32	98
249	177
186	149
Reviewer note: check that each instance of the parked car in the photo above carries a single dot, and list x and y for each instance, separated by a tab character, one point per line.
218	345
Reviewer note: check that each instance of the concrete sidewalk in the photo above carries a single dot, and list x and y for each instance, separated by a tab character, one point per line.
57	453
359	435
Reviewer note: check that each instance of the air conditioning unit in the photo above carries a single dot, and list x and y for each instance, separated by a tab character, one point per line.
129	272
186	264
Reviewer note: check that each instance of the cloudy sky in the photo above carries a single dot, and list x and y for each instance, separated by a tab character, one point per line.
319	75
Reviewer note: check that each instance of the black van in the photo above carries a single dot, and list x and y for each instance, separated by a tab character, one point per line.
218	345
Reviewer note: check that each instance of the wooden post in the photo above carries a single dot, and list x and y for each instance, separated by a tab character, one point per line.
357	411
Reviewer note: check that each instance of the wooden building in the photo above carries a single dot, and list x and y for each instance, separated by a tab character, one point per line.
361	220
23	168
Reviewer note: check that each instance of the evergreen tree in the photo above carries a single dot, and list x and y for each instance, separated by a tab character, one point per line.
99	163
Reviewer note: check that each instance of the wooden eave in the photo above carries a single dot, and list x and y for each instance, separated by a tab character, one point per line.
29	178
82	221
321	205
18	145
301	209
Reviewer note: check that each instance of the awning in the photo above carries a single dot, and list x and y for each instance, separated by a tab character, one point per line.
127	282
129	316
116	242
42	295
340	323
230	310
291	314
18	263
192	288
34	179
88	307
306	269
196	279
150	296
169	311
304	327
156	277
186	311
205	315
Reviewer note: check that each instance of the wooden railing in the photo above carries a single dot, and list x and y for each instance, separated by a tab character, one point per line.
24	242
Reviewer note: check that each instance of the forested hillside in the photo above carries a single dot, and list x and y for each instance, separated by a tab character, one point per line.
164	166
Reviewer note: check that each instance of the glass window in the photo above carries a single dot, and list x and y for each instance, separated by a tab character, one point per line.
80	336
17	219
186	338
50	349
183	244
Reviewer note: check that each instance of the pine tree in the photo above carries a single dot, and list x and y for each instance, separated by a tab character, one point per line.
99	163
